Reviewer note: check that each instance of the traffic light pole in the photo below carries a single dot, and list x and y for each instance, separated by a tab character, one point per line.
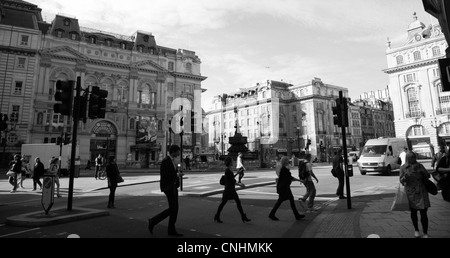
344	146
74	144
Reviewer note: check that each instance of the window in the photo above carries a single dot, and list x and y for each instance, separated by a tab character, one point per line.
18	88
40	118
93	39
399	60
409	77
153	98
123	45
132	122
170	86
417	56
59	33
436	51
189	68
21	61
108	42
171	66
15	114
413	101
58	119
140	49
146	37
73	36
67	22
24	40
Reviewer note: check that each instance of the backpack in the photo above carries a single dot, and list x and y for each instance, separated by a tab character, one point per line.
303	172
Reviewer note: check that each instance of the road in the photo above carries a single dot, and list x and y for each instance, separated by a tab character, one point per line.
136	203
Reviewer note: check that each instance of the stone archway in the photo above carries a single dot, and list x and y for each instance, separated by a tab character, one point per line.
103	140
419	141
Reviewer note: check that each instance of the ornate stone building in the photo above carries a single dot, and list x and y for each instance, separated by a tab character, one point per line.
278	118
143	81
421	108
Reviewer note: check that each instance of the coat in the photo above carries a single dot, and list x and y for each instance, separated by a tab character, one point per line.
284	184
412	176
112	173
230	190
169	178
39	170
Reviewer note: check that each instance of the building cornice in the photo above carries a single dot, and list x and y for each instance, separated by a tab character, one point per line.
188	76
16	50
410	66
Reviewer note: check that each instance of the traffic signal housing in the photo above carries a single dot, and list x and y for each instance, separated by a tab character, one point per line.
67	139
97	103
64	94
337	114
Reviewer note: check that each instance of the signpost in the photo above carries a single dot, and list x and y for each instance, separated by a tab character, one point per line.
48	192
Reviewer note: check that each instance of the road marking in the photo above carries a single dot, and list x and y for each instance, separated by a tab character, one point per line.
20	232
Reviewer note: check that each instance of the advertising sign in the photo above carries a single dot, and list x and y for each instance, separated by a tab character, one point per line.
48	192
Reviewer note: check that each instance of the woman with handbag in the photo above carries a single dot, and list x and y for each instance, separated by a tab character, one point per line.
113	175
284	190
230	192
412	176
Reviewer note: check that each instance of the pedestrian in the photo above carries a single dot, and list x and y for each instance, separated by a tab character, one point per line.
338	161
230	193
438	156
187	162
442	175
284	190
98	164
16	166
402	156
24	171
294	161
309	184
38	172
169	184
112	173
412	175
54	170
240	168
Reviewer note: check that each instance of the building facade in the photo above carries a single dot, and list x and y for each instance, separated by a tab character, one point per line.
421	108
278	118
146	84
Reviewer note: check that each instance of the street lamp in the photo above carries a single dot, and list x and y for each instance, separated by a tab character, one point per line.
261	150
298	139
290	140
436	124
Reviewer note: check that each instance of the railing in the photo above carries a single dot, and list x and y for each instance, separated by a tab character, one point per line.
413	114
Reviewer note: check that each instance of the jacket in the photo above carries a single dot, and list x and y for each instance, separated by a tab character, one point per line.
284	184
412	176
169	178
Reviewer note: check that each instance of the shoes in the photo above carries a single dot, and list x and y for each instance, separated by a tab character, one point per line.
12	191
272	217
174	233
425	236
150	226
34	189
111	207
245	219
217	218
58	195
299	216
302	203
416	234
342	197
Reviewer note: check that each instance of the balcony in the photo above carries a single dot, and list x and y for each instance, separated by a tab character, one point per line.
418	113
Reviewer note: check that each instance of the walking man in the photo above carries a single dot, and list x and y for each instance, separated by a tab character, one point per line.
98	164
338	161
169	184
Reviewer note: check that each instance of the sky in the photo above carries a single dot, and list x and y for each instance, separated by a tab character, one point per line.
242	42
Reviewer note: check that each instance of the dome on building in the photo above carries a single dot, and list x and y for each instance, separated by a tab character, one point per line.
416	23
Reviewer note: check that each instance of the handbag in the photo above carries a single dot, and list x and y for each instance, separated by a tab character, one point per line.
10	173
430	186
333	172
120	179
222	180
401	202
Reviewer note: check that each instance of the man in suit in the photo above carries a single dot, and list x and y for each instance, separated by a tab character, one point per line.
169	184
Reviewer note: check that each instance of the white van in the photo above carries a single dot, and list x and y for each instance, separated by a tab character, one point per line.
381	155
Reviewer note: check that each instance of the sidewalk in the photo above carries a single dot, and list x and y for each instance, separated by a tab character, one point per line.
370	216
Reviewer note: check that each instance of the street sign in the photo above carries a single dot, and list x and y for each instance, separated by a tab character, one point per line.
48	192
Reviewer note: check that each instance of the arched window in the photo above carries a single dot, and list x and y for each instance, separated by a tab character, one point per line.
188	68
436	51
413	102
399	60
144	95
93	39
417	56
123	45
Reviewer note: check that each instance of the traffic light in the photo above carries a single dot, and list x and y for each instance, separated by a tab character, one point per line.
337	114
67	139
81	105
3	120
97	103
59	140
344	110
64	93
